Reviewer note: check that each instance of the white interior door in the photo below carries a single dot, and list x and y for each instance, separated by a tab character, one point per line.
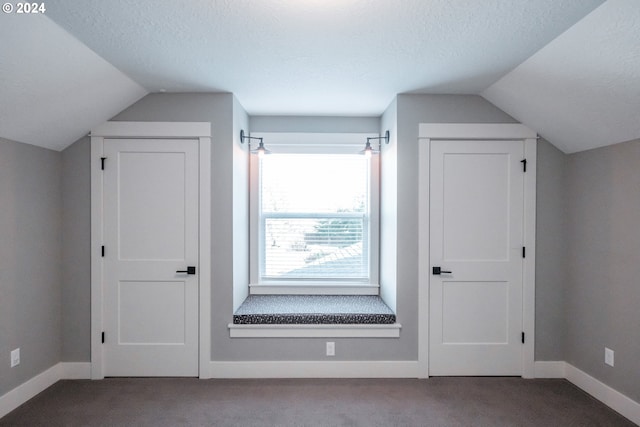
476	229
150	233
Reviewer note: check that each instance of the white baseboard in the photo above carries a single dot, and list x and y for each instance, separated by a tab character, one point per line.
326	369
75	370
610	397
25	391
315	369
549	369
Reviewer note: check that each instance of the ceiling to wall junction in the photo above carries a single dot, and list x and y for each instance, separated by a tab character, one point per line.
82	62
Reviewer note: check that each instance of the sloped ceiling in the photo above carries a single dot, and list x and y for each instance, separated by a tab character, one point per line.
582	90
52	87
85	61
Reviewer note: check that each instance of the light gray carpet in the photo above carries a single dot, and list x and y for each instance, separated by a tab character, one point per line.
442	401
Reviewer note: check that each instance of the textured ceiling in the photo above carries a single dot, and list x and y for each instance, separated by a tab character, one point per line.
317	57
582	90
83	62
52	87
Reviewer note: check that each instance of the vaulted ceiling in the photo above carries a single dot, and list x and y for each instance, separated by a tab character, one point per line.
569	69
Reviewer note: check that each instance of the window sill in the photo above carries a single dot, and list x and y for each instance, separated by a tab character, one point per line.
315	331
313	289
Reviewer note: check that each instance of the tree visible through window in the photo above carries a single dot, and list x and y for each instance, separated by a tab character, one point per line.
314	217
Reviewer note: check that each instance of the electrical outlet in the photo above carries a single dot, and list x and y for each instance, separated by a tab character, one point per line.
331	348
608	356
15	357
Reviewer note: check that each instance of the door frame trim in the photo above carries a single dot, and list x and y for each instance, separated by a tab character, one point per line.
173	130
477	131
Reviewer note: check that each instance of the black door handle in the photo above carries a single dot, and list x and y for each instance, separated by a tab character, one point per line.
438	270
189	270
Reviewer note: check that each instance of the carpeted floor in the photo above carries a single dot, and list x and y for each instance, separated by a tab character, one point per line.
444	401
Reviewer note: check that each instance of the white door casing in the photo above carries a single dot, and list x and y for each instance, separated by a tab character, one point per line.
457	331
150	211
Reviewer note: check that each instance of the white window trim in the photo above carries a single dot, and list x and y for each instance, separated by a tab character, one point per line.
333	288
346	143
315	331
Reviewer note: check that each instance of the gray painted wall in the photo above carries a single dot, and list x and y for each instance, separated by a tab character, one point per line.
216	108
76	251
603	296
551	252
240	206
219	109
306	349
314	124
550	240
587	241
389	207
411	111
30	229
400	195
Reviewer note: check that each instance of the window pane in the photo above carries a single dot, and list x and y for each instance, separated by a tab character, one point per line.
314	211
314	248
314	183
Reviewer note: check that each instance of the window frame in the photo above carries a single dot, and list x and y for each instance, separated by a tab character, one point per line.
314	143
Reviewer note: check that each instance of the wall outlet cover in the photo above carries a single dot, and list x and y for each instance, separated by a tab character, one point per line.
15	357
608	356
331	348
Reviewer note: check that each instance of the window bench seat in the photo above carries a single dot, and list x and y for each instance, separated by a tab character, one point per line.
314	310
314	316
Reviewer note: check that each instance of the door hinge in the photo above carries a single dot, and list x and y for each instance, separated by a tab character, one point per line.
524	165
103	251
523	338
103	338
524	252
102	159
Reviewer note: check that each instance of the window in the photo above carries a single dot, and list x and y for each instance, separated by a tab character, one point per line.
315	218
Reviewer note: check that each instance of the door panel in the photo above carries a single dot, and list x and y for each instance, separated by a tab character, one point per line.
152	223
486	308
476	222
476	206
151	232
160	320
